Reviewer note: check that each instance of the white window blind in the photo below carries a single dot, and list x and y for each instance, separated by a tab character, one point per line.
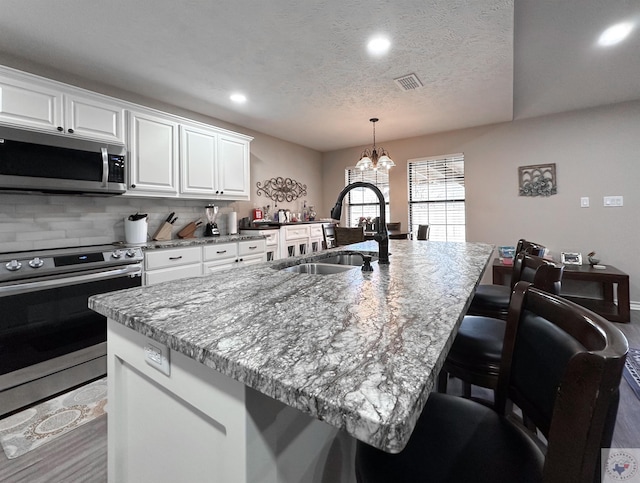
437	196
363	202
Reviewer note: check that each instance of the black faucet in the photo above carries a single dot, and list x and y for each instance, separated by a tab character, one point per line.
381	236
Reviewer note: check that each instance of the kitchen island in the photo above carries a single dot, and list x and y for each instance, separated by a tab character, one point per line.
271	374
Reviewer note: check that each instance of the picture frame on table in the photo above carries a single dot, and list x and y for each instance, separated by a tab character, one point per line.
571	258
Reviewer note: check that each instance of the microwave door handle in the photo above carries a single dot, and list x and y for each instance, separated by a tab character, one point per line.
105	167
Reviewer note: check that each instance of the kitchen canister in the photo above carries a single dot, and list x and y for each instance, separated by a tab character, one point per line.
135	231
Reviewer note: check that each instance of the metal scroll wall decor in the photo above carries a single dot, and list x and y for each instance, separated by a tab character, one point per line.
538	180
282	189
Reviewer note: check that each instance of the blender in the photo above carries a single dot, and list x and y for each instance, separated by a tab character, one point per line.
211	229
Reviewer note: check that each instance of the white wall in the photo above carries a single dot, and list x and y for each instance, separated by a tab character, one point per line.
596	154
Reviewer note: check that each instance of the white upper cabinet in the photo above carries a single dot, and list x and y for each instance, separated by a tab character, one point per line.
233	167
28	104
213	163
90	117
197	160
153	154
31	102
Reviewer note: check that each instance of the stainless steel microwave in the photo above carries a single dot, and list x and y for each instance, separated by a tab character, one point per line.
32	161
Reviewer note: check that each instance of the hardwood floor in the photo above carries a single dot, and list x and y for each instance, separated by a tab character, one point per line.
81	455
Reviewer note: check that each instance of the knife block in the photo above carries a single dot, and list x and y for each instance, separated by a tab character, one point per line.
188	231
163	233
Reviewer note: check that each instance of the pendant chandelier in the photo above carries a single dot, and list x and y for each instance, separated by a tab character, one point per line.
377	157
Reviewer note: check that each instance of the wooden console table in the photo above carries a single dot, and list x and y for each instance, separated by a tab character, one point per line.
610	279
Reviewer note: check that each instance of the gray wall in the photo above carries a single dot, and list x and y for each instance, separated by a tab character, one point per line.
596	155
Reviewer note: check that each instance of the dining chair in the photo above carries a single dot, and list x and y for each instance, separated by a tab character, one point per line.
347	236
423	232
475	355
329	235
562	366
394	226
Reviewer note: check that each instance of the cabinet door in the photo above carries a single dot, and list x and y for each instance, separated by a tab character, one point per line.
197	160
153	145
175	273
90	117
232	168
32	105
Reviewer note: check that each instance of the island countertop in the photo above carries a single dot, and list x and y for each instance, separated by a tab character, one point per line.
358	350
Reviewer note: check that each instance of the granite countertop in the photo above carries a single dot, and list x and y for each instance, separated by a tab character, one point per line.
187	242
358	350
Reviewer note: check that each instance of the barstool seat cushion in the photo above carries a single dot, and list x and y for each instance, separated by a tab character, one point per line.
490	299
455	440
480	338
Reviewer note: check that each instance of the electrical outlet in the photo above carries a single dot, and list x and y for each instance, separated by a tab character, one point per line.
584	202
613	201
157	356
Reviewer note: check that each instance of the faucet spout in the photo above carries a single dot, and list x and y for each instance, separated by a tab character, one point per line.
381	236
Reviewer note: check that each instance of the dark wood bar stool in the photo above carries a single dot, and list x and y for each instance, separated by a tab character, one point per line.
493	300
565	378
476	352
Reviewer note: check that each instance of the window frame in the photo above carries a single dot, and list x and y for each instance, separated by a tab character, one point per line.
449	230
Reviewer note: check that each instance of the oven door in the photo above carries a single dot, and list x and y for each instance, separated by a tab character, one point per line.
47	327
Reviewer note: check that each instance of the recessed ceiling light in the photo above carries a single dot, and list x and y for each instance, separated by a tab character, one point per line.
378	45
239	98
615	34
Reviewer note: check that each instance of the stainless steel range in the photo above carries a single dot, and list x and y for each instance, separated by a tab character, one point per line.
50	341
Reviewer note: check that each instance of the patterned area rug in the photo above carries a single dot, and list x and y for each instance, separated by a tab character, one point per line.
40	424
631	370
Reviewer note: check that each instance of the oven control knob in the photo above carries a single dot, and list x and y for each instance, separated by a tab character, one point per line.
36	262
13	265
131	253
116	254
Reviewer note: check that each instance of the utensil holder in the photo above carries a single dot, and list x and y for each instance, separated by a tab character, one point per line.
135	231
164	232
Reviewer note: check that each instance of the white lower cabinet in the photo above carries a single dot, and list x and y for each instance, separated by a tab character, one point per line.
316	237
230	255
294	240
172	264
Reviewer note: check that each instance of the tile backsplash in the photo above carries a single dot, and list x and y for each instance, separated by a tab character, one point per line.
34	221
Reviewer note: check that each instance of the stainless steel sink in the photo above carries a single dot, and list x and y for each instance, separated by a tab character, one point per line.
319	268
354	259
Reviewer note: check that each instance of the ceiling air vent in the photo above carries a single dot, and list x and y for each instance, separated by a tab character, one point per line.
408	82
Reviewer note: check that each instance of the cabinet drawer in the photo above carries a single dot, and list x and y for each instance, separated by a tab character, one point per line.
174	273
220	251
251	247
315	231
271	237
296	232
172	257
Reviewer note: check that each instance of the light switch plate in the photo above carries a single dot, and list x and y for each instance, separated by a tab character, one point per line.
613	201
584	202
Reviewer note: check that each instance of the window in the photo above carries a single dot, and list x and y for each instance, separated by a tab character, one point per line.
437	196
363	202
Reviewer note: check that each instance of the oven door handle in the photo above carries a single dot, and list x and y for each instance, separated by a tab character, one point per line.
134	270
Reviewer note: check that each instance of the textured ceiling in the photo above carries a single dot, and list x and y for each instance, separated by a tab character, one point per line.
304	66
